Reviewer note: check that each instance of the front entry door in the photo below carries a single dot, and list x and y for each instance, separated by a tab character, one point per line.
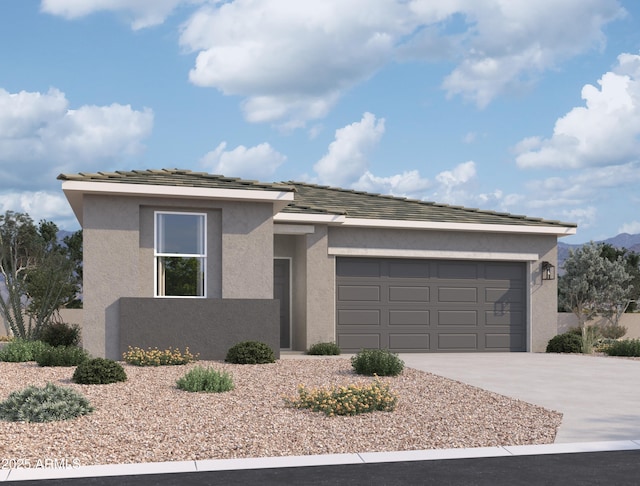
282	292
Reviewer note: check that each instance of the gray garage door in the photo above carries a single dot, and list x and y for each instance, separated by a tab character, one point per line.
430	305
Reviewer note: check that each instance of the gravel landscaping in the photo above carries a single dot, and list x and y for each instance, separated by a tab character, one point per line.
147	419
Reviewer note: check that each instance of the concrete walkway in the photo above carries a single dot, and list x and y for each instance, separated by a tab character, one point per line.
599	397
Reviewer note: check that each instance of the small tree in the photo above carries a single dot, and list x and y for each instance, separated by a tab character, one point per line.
37	274
592	284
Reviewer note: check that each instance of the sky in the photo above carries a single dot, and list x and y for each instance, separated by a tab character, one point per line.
507	105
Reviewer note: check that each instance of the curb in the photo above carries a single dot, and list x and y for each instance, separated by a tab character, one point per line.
43	473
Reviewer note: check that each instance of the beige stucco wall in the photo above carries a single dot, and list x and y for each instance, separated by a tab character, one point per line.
118	256
567	320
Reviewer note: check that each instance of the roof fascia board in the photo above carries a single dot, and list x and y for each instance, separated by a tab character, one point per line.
177	191
75	189
439	254
448	226
309	218
293	229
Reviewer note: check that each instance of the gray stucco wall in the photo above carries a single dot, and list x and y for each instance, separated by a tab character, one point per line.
464	245
314	270
118	256
208	327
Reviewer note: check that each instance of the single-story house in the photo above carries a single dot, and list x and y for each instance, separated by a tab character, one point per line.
175	258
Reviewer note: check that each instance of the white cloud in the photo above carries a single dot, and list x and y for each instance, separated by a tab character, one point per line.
508	42
292	61
408	184
604	132
40	136
51	206
259	162
346	160
632	228
141	13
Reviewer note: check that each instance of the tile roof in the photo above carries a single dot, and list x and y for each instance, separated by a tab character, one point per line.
316	199
357	204
175	177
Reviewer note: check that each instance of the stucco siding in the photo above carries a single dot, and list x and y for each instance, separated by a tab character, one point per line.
542	299
118	256
247	251
110	247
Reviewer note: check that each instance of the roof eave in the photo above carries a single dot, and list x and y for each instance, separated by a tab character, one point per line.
74	191
557	230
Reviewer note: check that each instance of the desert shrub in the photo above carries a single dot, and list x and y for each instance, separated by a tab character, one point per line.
61	356
99	371
20	350
568	342
46	404
208	380
5	339
250	352
625	347
346	400
612	332
379	362
155	357
60	334
324	349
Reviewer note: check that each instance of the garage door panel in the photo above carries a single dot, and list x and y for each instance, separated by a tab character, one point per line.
504	271
358	267
408	317
359	293
359	317
408	294
458	341
406	342
504	341
457	270
503	295
511	318
359	341
410	269
430	305
457	294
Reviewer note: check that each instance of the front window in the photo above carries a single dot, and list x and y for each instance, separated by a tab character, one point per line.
180	254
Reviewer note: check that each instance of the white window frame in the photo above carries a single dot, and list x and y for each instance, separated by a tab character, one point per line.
156	255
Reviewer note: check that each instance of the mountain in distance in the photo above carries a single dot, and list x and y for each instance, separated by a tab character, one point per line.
623	240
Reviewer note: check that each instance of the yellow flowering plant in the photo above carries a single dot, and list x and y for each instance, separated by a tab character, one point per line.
155	357
346	400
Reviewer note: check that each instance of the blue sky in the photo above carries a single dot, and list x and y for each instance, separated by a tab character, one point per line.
508	105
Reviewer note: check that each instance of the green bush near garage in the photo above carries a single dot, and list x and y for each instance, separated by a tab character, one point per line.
250	352
568	342
381	362
324	349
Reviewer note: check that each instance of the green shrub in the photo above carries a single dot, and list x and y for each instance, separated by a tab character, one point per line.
60	334
208	380
19	350
569	342
379	362
46	404
250	352
155	357
324	349
62	356
99	371
626	347
611	331
346	400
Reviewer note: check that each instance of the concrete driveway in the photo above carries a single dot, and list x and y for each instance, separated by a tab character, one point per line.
599	397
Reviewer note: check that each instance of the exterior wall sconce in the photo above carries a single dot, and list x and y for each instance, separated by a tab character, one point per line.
548	271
